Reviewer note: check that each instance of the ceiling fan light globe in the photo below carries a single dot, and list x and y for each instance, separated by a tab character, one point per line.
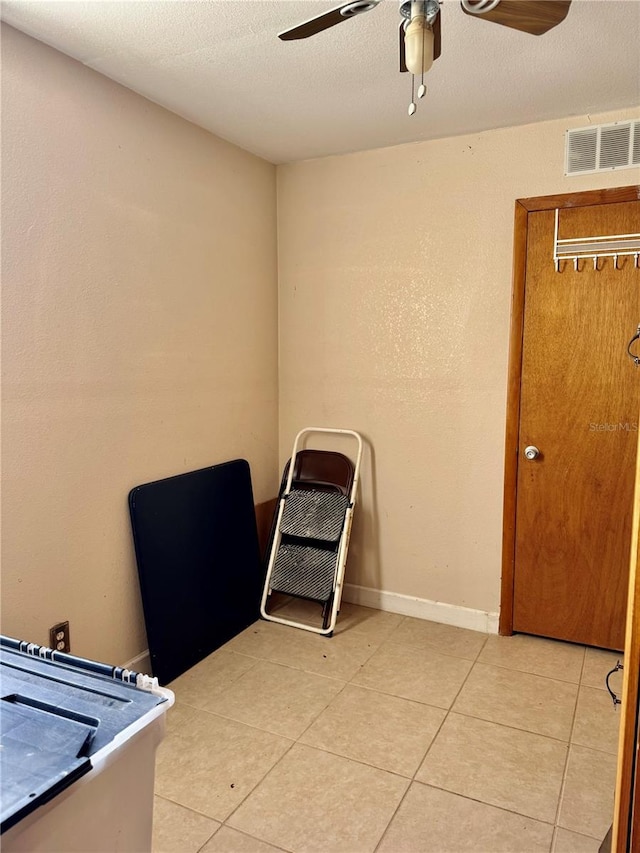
418	45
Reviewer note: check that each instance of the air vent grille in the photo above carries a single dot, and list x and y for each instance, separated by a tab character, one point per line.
635	157
614	146
602	148
582	150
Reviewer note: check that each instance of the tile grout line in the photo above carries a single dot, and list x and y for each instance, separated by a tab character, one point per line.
383	692
450	710
293	743
402	798
577	832
384	643
485	803
566	763
412	780
433	649
593	748
258	783
248	794
296	668
246	835
360	761
188	808
528	672
254	726
387	639
516	728
255	662
277	662
447	712
296	740
215	832
215	820
392	818
316	749
321	712
568	743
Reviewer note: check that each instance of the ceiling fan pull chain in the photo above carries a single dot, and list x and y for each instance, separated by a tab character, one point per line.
422	90
412	105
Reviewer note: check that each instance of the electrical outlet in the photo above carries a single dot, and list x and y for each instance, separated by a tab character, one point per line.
59	637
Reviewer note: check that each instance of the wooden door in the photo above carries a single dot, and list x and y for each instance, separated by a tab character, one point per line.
579	400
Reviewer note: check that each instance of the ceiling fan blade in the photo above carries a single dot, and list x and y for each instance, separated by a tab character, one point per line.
437	37
403	61
328	19
529	16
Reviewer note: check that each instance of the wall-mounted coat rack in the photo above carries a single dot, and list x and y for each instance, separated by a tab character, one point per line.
593	248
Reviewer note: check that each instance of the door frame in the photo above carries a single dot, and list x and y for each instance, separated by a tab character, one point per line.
523	207
626	813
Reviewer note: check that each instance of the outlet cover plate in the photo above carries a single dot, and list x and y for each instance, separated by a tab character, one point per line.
59	637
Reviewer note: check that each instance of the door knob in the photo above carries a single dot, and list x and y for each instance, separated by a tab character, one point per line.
531	452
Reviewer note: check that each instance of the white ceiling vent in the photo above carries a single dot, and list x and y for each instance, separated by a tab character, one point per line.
602	148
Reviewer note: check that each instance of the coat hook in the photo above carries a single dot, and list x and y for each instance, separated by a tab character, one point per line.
615	262
595	262
557	263
637	266
575	264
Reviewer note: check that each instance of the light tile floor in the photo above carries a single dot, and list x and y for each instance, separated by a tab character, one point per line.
395	735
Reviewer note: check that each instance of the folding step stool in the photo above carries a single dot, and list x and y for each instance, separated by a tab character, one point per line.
312	528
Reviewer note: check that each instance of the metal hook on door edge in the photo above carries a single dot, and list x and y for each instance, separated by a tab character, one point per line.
635	358
615	698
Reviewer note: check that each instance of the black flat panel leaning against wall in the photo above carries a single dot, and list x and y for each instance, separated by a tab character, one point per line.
198	562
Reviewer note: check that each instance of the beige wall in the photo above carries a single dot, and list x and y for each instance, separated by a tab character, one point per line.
395	285
140	335
139	326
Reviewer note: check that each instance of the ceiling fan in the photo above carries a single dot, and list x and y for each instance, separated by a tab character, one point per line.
420	42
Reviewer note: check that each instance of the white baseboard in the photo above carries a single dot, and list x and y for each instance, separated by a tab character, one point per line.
140	663
392	602
422	608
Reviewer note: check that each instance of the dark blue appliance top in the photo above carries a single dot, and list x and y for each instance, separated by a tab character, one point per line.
53	717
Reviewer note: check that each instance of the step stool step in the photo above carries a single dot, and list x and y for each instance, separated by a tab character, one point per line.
314	515
305	571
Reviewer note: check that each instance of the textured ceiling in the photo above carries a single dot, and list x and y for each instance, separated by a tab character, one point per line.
220	64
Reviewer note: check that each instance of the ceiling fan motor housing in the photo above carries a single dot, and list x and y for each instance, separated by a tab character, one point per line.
431	9
479	7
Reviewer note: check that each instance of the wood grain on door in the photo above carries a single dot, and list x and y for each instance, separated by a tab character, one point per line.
579	401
